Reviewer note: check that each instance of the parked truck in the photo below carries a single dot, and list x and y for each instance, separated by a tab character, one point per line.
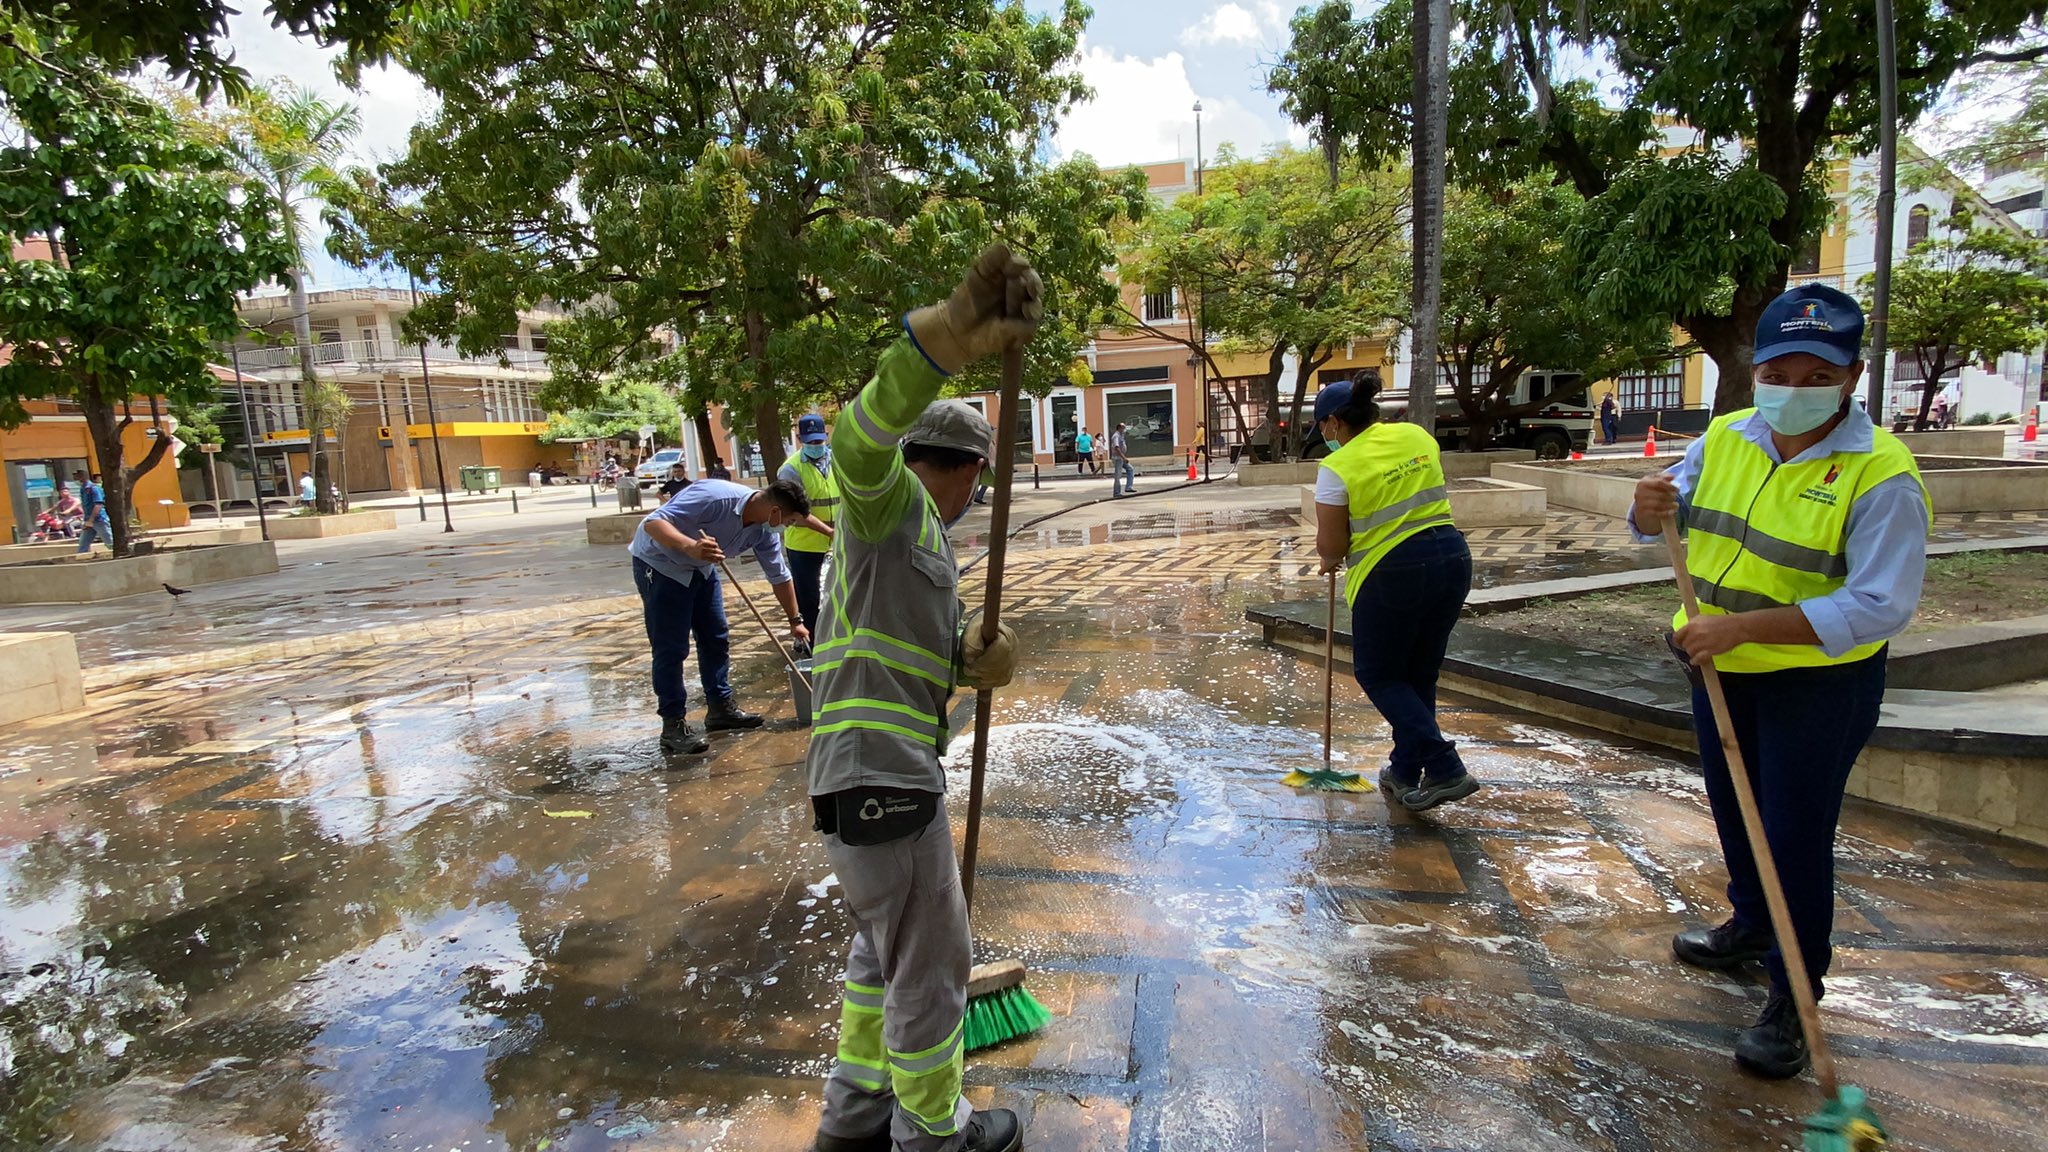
1558	427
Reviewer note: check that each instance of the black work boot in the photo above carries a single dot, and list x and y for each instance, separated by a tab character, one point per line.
996	1130
1774	1046
1721	949
679	739
725	716
1431	793
879	1142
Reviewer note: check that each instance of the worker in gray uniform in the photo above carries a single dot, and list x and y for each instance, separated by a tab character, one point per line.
893	648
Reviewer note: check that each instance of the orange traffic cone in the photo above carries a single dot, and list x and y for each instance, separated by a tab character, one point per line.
1191	467
1578	455
1650	445
2032	431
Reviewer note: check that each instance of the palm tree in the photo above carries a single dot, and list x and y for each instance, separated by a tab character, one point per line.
291	140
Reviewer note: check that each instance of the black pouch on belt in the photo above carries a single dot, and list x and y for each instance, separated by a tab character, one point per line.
867	816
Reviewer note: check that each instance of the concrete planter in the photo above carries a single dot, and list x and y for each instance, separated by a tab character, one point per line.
612	527
87	581
1264	475
1984	484
322	527
38	675
1474	504
54	550
1956	442
1460	465
1566	487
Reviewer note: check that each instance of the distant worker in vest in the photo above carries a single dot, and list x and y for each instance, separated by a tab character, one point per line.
807	544
676	553
1383	510
1806	531
894	647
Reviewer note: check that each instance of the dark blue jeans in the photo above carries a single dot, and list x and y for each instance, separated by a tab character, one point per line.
1800	731
805	568
1401	623
673	613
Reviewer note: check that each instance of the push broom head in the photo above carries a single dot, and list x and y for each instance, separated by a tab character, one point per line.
1327	780
1846	1125
998	1007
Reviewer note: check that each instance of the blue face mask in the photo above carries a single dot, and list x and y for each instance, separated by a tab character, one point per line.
1796	411
814	451
1333	442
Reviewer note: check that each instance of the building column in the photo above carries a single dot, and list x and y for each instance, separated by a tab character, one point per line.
404	466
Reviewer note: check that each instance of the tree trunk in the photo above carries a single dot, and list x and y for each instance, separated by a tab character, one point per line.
1303	368
768	432
1269	391
117	481
1730	341
1431	46
705	440
309	381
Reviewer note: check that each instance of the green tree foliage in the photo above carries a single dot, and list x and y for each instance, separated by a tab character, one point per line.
1969	295
622	408
154	235
1274	260
1508	307
738	197
1787	83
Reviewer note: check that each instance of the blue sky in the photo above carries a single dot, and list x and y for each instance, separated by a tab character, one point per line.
1148	61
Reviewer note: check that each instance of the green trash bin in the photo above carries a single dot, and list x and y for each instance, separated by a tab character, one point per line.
479	478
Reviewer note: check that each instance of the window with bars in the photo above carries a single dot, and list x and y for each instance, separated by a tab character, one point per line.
1159	305
1652	388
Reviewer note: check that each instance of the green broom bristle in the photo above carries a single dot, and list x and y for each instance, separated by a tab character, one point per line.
1326	780
1000	1016
1846	1125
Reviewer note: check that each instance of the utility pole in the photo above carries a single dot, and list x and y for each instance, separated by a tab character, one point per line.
1887	203
249	438
433	422
1431	43
1202	323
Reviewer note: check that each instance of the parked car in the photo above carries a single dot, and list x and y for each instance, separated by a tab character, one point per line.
653	471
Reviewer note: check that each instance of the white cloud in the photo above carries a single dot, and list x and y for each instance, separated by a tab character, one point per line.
1143	110
1230	23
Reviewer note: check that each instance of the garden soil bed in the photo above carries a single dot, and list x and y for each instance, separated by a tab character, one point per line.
1973	588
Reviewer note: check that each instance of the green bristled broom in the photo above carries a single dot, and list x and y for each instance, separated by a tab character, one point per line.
999	1007
1327	778
1845	1123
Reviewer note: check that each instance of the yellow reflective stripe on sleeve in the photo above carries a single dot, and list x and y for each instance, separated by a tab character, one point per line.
870	429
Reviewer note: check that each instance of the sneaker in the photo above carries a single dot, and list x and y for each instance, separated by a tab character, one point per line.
1774	1046
1721	949
879	1142
679	739
996	1130
726	716
1393	787
1430	793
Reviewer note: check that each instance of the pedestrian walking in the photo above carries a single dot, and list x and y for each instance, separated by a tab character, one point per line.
1806	525
1939	413
1383	510
807	543
94	525
676	554
1202	440
1084	453
894	647
308	491
1610	419
1125	482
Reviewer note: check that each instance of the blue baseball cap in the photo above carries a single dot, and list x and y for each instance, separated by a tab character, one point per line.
810	428
1811	318
1334	398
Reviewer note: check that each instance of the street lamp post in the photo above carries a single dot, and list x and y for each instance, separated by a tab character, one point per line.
249	438
1202	324
433	422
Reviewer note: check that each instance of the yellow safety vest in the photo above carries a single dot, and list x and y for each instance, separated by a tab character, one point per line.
823	489
1395	476
1766	535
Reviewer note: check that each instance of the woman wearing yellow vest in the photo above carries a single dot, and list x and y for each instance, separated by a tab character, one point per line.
1806	533
1381	507
806	544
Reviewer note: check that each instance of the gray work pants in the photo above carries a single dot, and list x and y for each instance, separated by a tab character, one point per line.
905	992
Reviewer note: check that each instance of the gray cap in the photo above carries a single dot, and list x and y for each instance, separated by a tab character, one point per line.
954	424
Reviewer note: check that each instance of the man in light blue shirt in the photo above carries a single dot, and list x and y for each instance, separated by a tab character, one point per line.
676	554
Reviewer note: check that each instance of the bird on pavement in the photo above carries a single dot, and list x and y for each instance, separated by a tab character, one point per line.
176	591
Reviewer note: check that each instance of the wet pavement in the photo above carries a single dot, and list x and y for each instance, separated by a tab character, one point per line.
448	895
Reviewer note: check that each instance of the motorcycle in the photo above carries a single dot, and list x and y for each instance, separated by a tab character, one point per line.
608	477
52	527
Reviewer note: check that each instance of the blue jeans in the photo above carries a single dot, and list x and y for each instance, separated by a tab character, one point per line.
1800	731
673	613
805	568
1126	477
1401	623
95	525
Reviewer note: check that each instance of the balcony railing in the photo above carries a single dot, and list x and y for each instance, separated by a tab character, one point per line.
269	358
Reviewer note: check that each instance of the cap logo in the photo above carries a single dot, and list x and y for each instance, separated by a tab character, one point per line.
1808	319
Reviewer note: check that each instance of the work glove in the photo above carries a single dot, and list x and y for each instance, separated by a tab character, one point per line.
986	667
996	305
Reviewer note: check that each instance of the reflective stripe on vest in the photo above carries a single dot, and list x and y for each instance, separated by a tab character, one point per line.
823	489
1394	476
1763	535
884	661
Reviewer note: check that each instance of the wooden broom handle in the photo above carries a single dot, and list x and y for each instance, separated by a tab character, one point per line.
765	625
1759	846
1329	668
992	598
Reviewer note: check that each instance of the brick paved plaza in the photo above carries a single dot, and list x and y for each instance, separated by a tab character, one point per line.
444	894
